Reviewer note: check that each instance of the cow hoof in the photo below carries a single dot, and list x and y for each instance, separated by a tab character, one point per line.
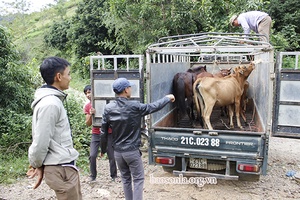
242	128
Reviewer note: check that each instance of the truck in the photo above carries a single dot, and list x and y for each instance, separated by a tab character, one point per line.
191	150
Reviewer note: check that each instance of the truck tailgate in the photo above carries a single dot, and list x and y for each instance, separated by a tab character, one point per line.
229	145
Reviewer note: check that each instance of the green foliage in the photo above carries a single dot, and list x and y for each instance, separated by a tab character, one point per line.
279	41
289	62
138	24
81	133
57	35
286	17
87	28
17	80
82	67
15	132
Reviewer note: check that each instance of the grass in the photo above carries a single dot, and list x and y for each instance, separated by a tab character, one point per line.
13	168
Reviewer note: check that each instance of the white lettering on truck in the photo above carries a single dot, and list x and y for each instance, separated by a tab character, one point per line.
169	138
240	143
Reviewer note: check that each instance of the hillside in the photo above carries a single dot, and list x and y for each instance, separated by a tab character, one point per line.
28	30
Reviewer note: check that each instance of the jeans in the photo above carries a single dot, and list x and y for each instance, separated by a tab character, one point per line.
131	168
111	157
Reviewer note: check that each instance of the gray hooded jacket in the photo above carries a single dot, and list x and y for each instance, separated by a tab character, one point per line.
52	140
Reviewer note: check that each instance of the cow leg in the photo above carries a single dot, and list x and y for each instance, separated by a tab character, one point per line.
230	112
237	114
199	100
243	109
190	109
244	101
207	113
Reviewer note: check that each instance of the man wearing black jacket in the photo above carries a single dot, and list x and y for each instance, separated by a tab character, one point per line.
124	117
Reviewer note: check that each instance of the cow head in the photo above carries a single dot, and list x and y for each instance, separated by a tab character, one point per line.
225	72
244	70
197	69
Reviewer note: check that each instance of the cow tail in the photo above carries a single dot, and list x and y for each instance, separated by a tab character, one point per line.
197	97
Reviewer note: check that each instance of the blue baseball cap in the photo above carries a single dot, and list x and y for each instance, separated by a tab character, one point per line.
120	84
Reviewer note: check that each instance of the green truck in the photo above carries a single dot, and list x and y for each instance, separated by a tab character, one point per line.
190	150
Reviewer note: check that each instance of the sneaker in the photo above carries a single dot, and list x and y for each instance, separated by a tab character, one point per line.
92	180
113	179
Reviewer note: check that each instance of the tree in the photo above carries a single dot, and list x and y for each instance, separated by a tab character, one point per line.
17	84
286	17
137	24
57	35
88	32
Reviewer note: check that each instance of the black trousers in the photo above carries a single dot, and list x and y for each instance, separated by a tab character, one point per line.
111	157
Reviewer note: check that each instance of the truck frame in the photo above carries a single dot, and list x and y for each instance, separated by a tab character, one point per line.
230	154
225	154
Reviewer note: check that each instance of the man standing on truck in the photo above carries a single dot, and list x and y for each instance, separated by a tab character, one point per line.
257	21
124	117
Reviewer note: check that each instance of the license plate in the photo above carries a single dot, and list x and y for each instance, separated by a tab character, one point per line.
198	163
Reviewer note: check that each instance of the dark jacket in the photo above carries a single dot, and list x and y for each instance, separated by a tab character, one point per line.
124	117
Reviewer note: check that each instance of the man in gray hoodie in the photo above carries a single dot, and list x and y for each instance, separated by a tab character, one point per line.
51	153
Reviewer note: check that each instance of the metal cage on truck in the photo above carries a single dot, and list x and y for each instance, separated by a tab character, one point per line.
176	148
286	121
104	69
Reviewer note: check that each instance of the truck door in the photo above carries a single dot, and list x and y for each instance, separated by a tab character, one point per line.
104	69
286	111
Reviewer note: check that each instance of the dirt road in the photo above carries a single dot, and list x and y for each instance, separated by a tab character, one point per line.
284	157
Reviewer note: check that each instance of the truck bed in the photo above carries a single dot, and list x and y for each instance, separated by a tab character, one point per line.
218	122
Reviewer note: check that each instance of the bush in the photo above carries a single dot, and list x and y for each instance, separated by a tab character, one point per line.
81	132
15	132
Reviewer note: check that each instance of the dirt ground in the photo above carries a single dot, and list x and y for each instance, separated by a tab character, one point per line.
284	157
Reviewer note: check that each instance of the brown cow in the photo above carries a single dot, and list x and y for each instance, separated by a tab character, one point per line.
225	91
220	74
243	97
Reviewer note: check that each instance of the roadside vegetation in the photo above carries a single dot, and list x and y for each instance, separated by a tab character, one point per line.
78	29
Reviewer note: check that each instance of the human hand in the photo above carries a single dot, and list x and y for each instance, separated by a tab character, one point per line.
171	97
92	111
33	172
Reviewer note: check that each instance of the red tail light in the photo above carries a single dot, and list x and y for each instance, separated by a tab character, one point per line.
164	160
248	168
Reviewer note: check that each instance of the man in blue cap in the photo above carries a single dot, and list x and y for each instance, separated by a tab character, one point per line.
124	117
